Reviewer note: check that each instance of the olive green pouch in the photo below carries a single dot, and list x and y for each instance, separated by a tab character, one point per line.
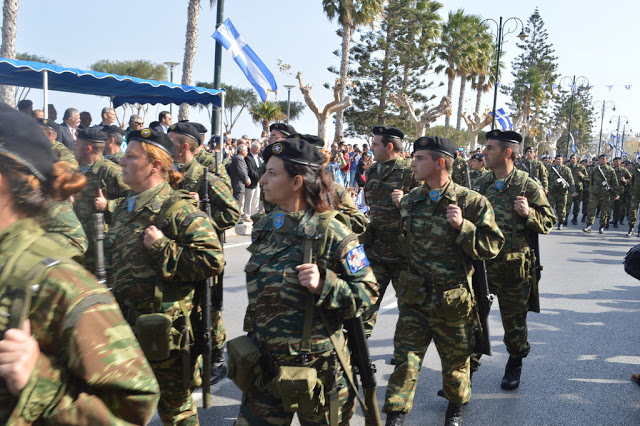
154	333
244	362
456	304
515	266
411	288
300	389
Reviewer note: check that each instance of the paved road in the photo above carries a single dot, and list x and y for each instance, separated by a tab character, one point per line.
584	344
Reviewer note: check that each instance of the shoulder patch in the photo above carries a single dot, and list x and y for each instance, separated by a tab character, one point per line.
357	259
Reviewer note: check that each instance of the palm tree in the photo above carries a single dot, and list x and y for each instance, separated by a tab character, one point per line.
8	47
468	59
350	15
266	113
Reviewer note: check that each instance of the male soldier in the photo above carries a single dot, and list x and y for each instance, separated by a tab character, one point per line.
580	177
390	171
624	179
560	184
477	168
225	213
604	185
521	209
50	130
459	171
112	149
635	199
534	168
585	192
441	221
104	178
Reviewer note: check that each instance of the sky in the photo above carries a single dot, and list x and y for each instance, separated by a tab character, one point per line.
594	40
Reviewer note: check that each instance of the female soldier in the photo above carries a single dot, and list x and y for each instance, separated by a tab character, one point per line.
283	288
159	246
75	360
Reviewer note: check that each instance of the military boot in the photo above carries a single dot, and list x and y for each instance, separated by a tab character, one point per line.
588	228
218	366
559	226
584	219
630	232
454	415
511	379
601	230
574	220
395	419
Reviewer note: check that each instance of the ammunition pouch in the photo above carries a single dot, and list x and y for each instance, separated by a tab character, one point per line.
515	266
159	334
404	246
412	289
456	303
299	388
244	362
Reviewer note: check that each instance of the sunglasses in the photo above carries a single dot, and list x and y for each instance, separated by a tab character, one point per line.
139	124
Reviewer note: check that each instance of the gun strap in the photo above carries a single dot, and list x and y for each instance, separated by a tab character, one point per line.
411	199
602	173
307	248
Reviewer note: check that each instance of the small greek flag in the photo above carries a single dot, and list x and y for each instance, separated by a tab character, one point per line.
573	143
253	68
503	119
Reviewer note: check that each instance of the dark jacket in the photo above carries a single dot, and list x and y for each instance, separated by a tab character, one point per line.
252	170
238	173
65	137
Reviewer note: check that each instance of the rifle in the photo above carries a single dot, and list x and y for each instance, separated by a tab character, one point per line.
218	297
484	299
560	179
205	304
536	273
605	182
97	219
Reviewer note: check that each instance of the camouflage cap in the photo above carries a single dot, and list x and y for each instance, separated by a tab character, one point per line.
92	135
152	137
186	129
435	143
508	136
295	150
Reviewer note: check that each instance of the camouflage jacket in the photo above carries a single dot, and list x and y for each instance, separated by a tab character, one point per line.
357	220
115	157
224	209
475	175
598	176
536	170
91	369
208	159
620	173
459	171
277	301
513	226
562	172
189	251
432	243
63	153
580	176
635	182
385	224
62	224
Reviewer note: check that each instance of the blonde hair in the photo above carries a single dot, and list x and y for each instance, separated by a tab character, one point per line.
166	163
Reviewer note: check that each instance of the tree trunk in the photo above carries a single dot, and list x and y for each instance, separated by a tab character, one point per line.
8	47
479	90
344	71
384	84
190	46
451	78
463	86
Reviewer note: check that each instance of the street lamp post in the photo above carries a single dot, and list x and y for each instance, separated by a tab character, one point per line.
580	82
171	66
604	105
499	39
626	121
289	87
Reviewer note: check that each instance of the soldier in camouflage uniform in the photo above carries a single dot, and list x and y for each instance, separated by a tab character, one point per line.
62	224
158	247
208	159
51	130
624	179
104	178
477	169
521	208
112	151
78	361
389	172
282	287
587	189
459	171
635	199
580	178
441	221
560	186
604	186
536	169
277	132
224	210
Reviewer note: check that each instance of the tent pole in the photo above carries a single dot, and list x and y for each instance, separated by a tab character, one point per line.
222	96
45	90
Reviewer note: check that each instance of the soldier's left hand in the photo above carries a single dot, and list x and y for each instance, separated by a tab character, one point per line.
18	356
151	235
195	196
575	194
309	277
100	202
521	206
454	216
396	196
617	197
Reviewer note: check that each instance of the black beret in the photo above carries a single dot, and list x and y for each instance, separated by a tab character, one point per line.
391	132
558	156
316	141
283	128
435	143
617	158
295	150
572	156
479	157
49	124
157	139
112	129
186	129
602	156
527	149
22	140
584	160
508	136
92	134
199	127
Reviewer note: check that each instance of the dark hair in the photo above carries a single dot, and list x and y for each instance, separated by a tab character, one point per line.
162	115
318	191
515	148
31	196
25	104
448	161
397	143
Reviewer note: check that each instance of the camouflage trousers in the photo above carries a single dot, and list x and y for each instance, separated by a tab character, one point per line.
417	326
261	407
218	332
385	273
601	200
575	203
633	209
558	201
176	406
620	207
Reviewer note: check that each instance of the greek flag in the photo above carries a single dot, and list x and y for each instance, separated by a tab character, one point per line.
573	143
503	119
253	68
